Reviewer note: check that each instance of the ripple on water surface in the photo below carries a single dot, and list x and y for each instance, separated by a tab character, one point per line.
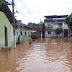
51	55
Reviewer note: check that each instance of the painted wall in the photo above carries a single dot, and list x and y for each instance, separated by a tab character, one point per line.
48	35
24	37
55	26
4	22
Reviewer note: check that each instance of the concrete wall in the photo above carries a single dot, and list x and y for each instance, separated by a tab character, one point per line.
54	26
24	37
48	35
4	22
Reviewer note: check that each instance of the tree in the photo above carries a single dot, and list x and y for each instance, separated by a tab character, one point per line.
43	26
2	2
33	24
59	30
68	21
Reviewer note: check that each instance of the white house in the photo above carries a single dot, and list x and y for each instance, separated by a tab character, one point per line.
53	22
22	32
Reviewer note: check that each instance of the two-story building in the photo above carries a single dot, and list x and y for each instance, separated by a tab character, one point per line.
53	22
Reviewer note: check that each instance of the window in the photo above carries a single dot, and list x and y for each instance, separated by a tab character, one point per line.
16	27
25	33
31	33
49	25
49	32
28	33
21	32
60	24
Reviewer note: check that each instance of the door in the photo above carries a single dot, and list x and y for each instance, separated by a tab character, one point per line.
65	32
6	38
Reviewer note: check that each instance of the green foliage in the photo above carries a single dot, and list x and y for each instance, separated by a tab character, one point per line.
37	25
43	26
32	33
33	24
2	2
59	30
68	21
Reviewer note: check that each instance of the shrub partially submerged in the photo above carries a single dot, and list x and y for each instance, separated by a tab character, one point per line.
34	36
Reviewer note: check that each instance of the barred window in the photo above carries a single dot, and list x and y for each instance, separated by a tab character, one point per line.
49	25
49	32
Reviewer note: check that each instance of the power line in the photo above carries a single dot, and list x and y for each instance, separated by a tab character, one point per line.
23	14
20	4
20	11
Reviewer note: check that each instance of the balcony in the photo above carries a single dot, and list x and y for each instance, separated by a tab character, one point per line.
54	20
49	28
54	28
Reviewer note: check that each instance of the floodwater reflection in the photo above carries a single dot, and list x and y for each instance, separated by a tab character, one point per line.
52	55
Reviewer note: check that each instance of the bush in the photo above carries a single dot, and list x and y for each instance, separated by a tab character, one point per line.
34	36
59	30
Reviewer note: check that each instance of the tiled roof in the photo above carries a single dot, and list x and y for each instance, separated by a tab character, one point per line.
37	28
24	25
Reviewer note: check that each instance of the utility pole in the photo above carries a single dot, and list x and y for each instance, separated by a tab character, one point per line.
41	29
13	23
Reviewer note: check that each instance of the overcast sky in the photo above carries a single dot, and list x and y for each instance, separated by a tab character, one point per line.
34	10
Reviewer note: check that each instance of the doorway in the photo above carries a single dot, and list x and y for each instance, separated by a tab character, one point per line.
65	32
6	38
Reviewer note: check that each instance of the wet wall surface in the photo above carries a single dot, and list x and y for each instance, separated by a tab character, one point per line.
50	55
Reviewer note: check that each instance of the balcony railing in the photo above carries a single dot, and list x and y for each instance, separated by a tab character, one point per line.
54	20
49	28
57	27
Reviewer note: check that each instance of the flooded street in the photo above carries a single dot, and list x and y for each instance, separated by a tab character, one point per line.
52	55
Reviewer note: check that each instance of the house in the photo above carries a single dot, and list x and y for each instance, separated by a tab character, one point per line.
53	22
38	31
6	31
6	28
36	27
22	32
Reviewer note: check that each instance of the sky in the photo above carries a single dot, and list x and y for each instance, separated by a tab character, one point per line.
35	10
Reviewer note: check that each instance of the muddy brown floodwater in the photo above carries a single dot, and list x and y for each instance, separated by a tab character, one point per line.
50	55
